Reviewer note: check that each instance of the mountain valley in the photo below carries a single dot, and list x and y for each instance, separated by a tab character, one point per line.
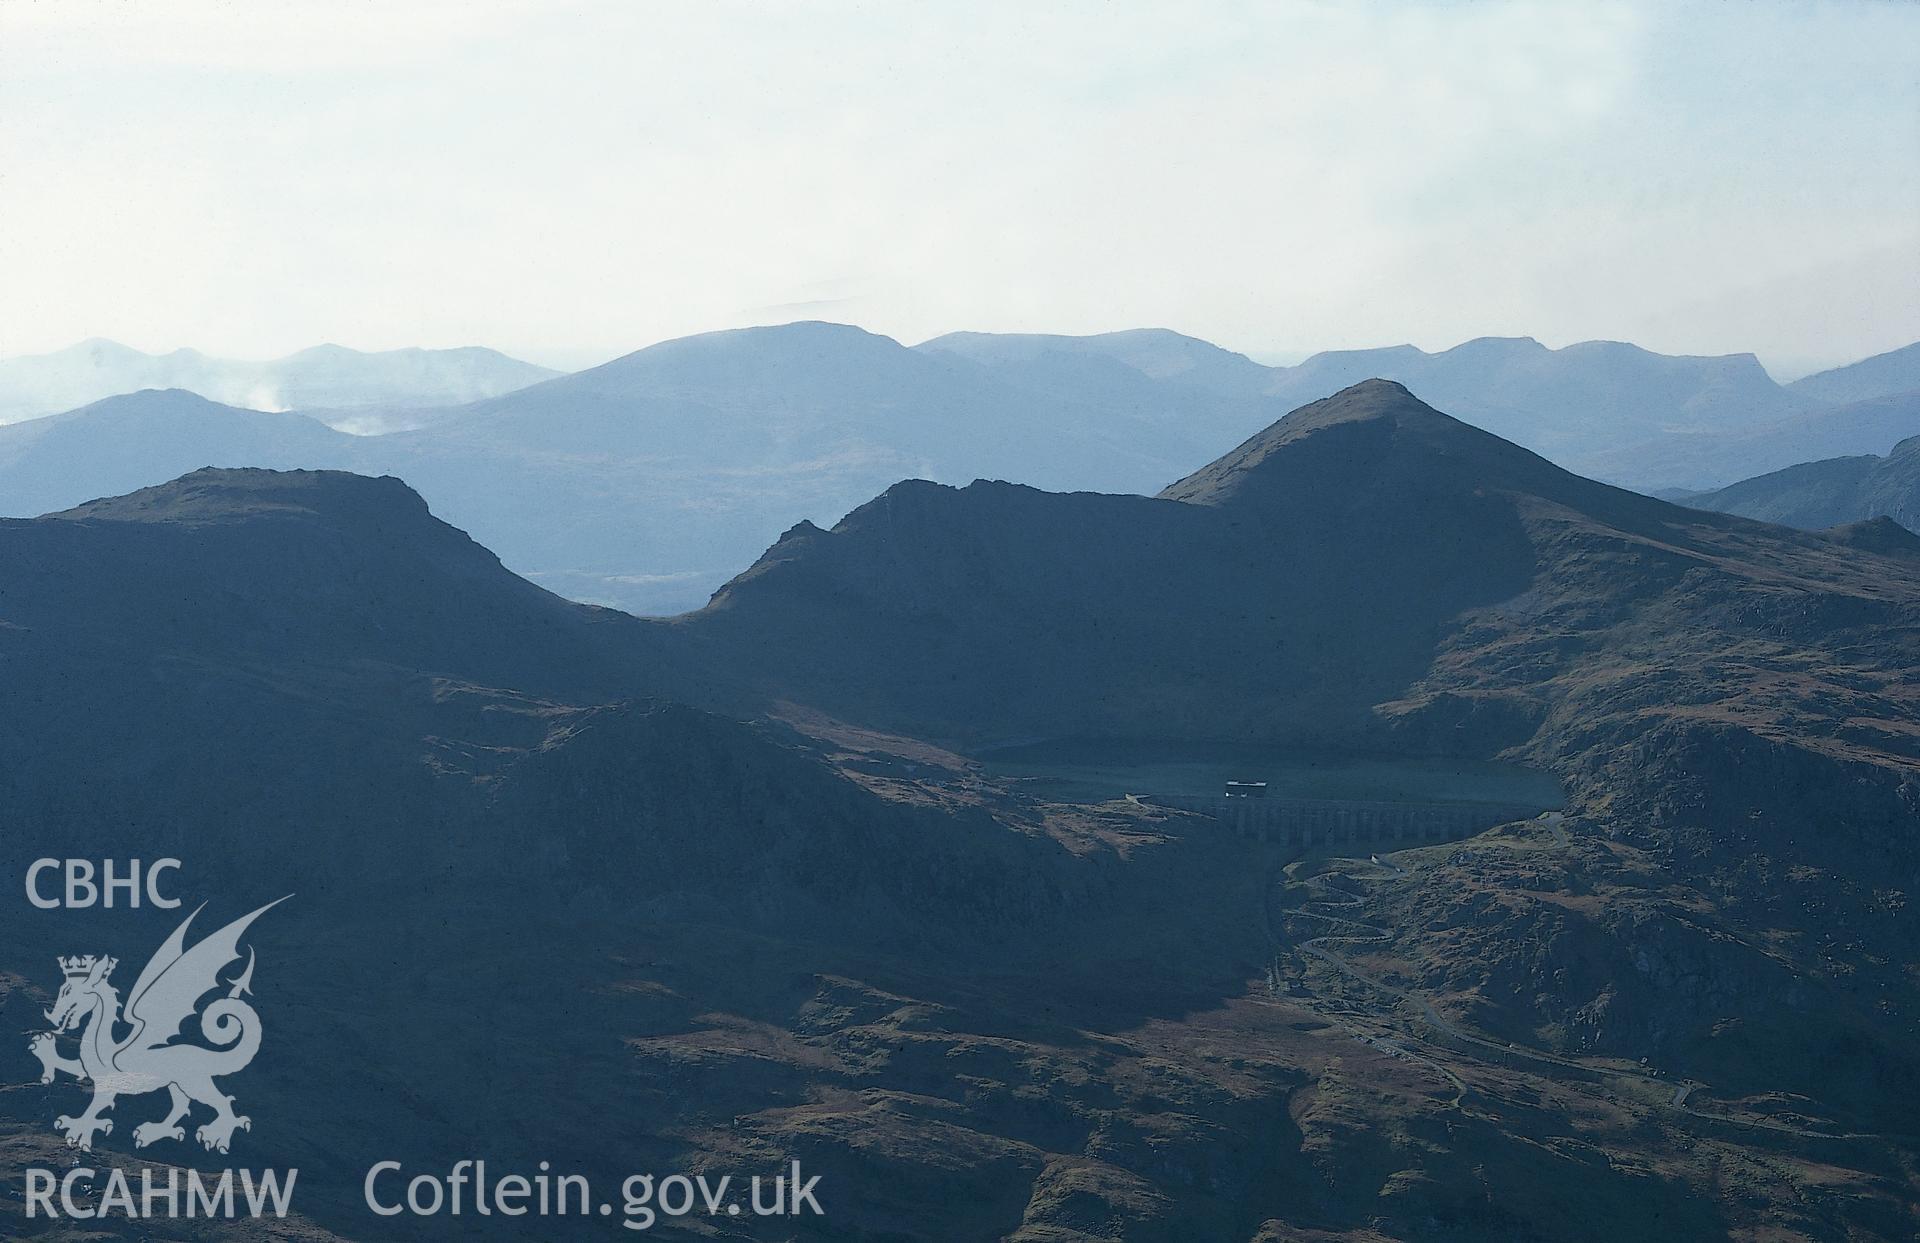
753	895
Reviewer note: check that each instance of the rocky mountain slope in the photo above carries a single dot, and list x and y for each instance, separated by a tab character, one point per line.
1728	701
1829	493
1318	569
786	921
507	861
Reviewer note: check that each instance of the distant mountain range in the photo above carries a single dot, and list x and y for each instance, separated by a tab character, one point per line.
1603	408
341	382
120	444
1828	493
1897	371
734	887
1842	471
649	481
1153	352
1356	528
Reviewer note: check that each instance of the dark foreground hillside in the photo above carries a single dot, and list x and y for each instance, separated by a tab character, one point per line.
713	893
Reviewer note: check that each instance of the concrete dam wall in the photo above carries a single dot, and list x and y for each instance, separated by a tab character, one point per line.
1340	822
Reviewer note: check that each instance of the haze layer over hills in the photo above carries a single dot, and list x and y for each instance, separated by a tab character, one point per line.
759	902
1604	408
1883	375
648	482
327	378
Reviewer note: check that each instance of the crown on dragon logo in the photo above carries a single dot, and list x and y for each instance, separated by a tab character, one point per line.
170	992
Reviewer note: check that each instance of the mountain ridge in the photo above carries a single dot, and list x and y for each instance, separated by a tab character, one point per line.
784	913
1881	375
1158	353
1448	520
1814	495
648	482
320	378
120	443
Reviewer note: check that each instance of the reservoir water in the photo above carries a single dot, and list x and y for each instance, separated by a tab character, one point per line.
1089	773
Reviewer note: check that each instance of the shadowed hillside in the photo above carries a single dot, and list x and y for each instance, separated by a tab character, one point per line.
1373	572
791	919
304	682
1311	575
1829	493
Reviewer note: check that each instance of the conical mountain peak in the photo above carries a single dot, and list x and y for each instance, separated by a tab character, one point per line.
1373	431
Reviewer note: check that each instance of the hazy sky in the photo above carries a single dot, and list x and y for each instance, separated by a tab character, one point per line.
569	181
